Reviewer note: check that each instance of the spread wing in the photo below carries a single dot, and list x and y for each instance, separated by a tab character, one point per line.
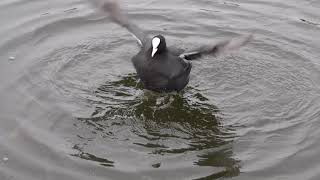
112	8
218	48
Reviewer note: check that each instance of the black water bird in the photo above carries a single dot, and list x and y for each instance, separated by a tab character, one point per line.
160	68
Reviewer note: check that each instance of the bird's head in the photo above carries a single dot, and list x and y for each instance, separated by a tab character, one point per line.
158	44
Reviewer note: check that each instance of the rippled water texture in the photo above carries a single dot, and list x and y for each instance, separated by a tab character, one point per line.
72	107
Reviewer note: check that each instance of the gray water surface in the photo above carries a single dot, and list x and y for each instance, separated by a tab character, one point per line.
72	107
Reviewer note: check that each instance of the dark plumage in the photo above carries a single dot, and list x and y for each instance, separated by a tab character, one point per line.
162	72
159	68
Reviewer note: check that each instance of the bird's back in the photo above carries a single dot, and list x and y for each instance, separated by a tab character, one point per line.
165	72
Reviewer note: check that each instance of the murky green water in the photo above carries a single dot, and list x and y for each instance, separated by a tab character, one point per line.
72	107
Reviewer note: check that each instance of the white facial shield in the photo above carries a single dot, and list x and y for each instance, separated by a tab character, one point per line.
155	44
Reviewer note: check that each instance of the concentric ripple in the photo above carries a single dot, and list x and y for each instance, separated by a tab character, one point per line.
72	106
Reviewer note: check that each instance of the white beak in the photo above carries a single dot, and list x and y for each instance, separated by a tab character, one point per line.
154	50
155	44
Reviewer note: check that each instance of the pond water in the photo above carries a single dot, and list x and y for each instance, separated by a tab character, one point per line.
72	107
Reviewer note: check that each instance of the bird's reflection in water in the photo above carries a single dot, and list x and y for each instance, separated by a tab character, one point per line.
164	123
